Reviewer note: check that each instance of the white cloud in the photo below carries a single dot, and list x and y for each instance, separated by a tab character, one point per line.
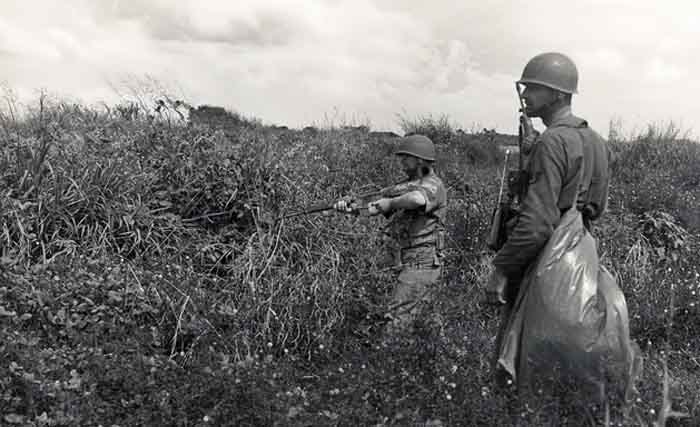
662	71
24	43
602	60
292	61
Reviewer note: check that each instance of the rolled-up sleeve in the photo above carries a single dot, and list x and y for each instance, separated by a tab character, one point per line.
539	212
434	193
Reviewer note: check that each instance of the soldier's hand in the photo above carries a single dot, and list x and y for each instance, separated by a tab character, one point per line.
344	205
530	134
526	124
379	206
529	141
496	288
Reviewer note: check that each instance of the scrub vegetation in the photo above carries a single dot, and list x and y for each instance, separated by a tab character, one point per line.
146	278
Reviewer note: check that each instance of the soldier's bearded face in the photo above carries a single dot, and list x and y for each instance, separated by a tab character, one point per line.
537	98
409	164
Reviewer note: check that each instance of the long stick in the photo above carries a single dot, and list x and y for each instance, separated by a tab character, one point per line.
211	215
503	177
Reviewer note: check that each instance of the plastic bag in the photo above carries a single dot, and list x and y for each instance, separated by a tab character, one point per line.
570	316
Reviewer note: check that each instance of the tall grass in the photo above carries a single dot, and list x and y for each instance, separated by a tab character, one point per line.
144	256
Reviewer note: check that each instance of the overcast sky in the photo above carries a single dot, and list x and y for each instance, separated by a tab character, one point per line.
299	62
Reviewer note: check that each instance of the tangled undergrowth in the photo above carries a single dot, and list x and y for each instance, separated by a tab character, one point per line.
148	278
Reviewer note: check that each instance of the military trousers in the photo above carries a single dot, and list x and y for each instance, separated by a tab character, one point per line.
415	287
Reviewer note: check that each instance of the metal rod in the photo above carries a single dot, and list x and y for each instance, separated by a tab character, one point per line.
503	177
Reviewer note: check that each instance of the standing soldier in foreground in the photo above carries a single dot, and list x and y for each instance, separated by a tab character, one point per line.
415	228
567	170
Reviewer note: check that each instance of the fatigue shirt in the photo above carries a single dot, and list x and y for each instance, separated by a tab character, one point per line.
420	227
567	153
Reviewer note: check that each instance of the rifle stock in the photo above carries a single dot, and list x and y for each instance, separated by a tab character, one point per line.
494	239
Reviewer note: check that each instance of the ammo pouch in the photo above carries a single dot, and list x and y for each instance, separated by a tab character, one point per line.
440	241
439	247
425	254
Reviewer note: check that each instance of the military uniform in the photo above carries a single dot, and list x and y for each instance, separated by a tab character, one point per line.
415	244
415	232
554	171
566	146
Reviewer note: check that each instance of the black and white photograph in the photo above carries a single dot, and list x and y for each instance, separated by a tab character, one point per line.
301	213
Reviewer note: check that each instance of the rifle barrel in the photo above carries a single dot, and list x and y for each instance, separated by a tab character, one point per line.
503	177
307	211
521	130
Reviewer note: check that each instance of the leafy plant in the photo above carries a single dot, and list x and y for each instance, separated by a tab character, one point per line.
146	277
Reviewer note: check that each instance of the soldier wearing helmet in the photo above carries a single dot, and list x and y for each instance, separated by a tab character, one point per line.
567	153
415	231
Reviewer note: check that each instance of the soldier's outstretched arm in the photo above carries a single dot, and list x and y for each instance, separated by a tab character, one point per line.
411	200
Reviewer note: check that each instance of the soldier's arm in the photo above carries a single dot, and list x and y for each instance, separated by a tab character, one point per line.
426	196
539	213
410	200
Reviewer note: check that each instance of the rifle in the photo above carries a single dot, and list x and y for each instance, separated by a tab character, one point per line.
391	191
497	233
517	180
507	207
322	207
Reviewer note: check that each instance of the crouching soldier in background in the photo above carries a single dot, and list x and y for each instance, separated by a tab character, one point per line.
415	209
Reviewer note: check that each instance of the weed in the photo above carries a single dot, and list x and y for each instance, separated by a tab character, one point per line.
146	282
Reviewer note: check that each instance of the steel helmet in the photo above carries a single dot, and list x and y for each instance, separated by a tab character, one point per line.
551	69
417	146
